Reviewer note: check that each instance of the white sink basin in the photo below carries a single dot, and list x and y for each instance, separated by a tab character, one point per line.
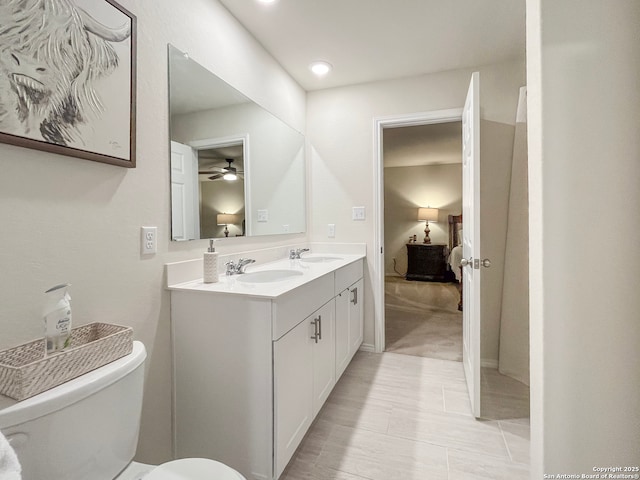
319	259
268	276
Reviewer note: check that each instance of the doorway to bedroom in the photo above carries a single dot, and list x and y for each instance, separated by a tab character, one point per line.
422	214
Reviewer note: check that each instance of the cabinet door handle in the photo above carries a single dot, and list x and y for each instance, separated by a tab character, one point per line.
315	329
354	300
319	327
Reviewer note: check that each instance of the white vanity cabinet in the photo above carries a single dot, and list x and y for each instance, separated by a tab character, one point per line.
251	371
304	375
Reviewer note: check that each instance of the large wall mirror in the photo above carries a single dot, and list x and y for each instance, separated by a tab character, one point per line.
236	169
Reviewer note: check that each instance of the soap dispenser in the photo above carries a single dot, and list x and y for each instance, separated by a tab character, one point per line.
210	265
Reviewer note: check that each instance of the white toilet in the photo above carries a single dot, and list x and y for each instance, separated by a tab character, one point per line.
87	429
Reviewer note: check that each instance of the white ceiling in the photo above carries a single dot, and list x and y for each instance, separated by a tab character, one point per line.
369	40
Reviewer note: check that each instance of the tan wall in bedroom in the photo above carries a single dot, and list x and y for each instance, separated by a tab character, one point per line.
406	189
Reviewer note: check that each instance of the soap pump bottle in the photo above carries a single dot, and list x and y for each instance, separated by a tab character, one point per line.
57	318
210	265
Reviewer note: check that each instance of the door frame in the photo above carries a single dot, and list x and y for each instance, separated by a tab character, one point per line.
380	123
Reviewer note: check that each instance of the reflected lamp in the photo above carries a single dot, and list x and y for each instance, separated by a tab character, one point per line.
225	219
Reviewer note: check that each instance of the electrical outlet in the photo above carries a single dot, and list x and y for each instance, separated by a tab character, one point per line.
331	230
263	216
148	240
285	228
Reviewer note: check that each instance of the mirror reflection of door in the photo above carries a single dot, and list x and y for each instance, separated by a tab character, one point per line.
185	224
208	194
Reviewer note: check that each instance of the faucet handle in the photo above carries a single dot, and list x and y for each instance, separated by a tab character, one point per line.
231	267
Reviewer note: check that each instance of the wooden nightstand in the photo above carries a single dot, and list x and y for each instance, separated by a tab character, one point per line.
426	262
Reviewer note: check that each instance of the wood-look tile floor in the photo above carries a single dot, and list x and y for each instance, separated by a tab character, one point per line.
402	417
421	318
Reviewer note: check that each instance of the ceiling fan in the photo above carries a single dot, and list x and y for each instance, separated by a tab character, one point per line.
228	173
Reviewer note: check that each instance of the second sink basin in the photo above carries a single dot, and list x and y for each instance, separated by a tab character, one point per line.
267	276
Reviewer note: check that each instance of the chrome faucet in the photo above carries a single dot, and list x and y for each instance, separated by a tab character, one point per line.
238	268
294	254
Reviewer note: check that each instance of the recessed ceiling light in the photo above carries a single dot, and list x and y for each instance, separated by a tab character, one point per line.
320	68
267	1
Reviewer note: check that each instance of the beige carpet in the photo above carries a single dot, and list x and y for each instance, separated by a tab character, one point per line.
422	319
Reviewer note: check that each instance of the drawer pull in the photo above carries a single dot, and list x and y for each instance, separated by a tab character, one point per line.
315	336
317	328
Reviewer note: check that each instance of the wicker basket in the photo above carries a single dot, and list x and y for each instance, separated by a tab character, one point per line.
25	370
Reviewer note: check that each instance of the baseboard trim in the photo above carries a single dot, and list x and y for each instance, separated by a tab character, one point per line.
367	347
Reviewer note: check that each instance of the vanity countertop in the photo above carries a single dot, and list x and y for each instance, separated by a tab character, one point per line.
233	284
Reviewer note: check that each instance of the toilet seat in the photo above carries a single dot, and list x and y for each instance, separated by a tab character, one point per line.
193	469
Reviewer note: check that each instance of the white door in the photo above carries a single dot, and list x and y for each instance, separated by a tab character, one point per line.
471	241
185	211
324	354
293	391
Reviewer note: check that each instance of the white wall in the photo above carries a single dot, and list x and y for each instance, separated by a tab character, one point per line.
584	165
71	220
340	126
407	189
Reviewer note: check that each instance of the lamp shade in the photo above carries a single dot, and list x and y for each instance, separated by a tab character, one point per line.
225	219
428	214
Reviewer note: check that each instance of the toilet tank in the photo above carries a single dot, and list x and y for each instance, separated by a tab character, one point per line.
84	429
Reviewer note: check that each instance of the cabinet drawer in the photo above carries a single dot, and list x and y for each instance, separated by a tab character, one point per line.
347	276
292	307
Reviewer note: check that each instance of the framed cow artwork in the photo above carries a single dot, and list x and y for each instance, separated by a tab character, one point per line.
68	78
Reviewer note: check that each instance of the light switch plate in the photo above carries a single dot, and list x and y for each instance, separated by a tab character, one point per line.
358	213
263	215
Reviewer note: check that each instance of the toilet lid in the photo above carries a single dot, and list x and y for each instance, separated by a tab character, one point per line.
194	469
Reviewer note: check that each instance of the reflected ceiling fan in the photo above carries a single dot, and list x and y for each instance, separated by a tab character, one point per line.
228	173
